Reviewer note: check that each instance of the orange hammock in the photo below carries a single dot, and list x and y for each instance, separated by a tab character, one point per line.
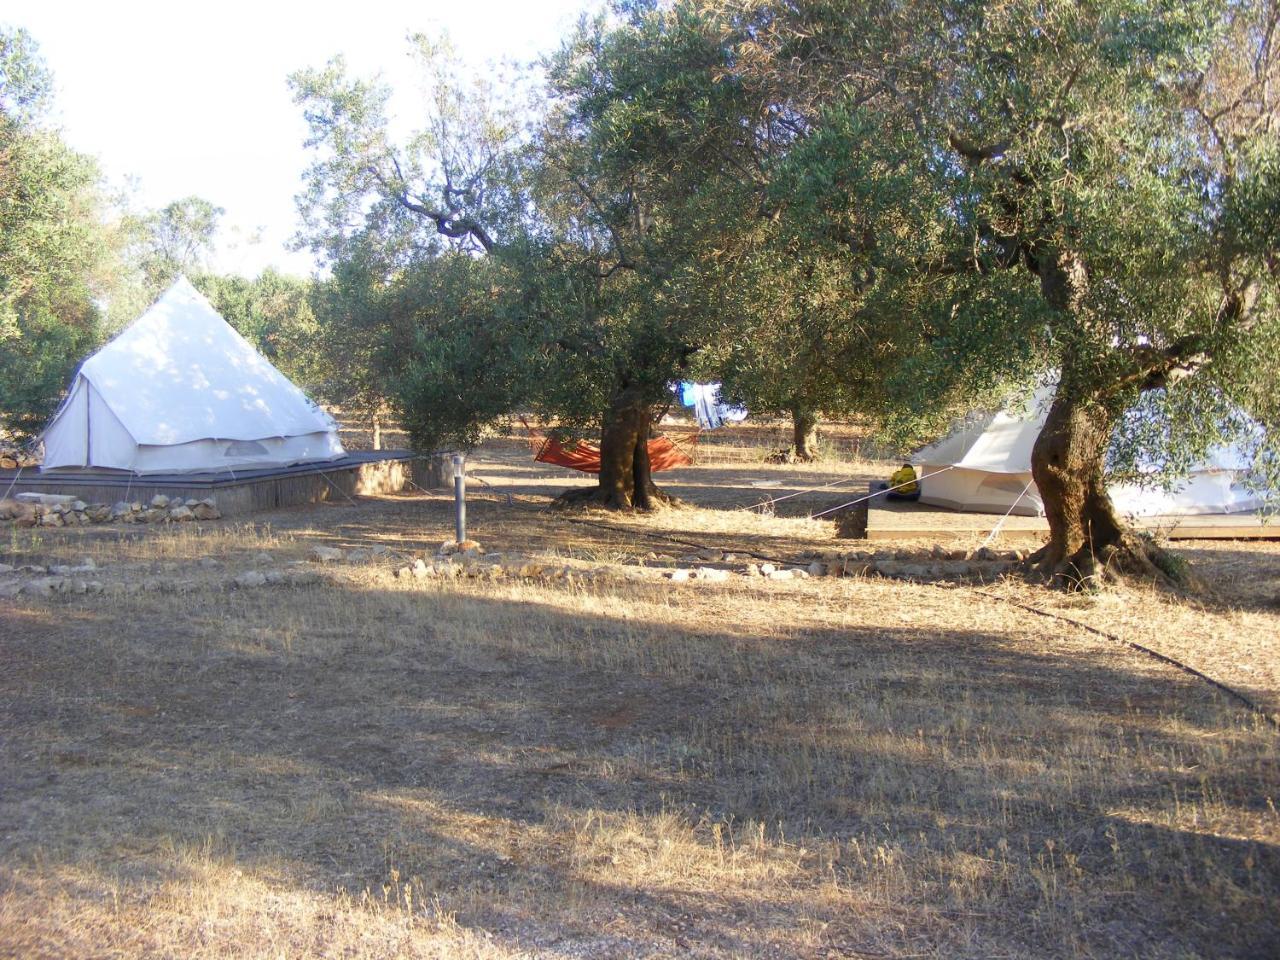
664	453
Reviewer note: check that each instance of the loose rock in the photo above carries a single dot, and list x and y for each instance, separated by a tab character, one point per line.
205	510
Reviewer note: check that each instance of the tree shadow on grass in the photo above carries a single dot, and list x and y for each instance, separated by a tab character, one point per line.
507	752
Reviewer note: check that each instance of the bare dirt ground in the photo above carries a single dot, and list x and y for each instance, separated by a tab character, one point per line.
382	767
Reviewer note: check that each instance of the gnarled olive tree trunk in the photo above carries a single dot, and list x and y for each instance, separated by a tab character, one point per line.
626	479
1088	542
804	431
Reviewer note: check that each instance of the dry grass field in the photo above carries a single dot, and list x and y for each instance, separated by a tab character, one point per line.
623	767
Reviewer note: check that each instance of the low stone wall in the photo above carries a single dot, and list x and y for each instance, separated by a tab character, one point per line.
55	510
434	471
246	492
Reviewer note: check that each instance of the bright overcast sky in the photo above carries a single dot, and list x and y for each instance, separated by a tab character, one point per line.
191	98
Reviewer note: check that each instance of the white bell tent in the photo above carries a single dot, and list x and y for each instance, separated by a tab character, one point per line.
984	466
180	391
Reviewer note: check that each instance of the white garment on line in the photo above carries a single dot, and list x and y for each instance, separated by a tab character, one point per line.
709	411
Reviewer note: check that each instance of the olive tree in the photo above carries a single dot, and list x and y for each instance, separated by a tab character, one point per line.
1094	188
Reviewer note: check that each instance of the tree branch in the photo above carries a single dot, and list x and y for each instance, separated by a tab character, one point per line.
448	222
976	153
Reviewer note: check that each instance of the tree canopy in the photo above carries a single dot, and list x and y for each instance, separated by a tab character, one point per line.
53	244
1088	174
894	210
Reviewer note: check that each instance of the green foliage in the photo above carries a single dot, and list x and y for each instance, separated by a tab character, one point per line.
156	247
37	359
53	245
1082	187
177	239
26	85
587	226
273	312
895	210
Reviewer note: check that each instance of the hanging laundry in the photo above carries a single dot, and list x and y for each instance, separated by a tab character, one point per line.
708	409
705	407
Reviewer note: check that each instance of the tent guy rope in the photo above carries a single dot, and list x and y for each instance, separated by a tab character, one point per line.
799	493
1000	523
877	493
12	483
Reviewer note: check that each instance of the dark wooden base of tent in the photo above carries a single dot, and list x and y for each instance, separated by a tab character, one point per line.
896	520
241	492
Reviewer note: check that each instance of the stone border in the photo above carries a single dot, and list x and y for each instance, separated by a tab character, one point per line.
52	510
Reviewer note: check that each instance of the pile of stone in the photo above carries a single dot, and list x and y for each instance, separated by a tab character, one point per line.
359	555
43	581
36	580
982	564
937	563
13	458
273	578
467	559
50	510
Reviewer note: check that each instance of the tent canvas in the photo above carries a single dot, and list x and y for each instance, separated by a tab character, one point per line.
178	391
984	466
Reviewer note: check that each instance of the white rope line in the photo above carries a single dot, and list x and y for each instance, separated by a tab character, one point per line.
996	529
336	487
13	482
496	491
876	493
772	500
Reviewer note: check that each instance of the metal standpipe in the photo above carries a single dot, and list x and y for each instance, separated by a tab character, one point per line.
460	496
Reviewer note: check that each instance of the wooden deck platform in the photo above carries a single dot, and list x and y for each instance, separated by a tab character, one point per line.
898	520
241	492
